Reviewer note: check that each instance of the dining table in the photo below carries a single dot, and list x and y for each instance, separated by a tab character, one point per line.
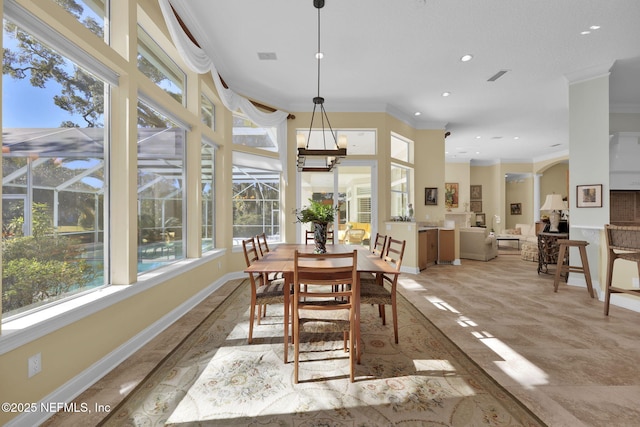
280	259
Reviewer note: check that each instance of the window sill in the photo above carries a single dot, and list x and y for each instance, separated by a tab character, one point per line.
24	329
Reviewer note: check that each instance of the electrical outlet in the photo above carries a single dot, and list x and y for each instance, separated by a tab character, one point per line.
35	364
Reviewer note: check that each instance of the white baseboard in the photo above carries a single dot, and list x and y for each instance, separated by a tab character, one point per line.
71	389
620	300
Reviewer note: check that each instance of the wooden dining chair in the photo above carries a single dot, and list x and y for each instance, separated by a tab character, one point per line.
309	237
325	307
264	292
379	244
263	246
381	290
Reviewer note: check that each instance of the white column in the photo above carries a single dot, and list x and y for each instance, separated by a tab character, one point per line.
536	197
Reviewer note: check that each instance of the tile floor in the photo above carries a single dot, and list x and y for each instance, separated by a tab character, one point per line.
556	352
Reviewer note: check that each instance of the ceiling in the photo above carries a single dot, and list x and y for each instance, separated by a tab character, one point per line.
399	57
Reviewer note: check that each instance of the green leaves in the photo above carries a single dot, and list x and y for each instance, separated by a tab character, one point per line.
316	212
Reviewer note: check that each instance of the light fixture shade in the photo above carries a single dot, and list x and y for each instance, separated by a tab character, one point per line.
342	141
301	141
553	202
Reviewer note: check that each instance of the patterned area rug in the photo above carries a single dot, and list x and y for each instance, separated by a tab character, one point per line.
216	378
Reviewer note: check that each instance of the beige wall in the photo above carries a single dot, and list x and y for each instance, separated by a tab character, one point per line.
555	180
624	122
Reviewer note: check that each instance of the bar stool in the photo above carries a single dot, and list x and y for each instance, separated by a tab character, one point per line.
567	268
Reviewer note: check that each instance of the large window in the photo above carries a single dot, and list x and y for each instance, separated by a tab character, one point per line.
207	170
207	112
154	63
54	175
247	133
402	153
359	141
400	191
160	189
92	14
400	148
256	203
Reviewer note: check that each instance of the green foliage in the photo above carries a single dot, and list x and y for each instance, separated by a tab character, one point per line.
42	266
81	93
316	212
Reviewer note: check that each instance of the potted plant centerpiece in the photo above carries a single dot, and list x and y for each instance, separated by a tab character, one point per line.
320	215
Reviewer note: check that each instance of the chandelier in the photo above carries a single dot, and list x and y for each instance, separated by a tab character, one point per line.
324	159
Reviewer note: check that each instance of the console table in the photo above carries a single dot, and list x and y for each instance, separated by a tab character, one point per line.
548	249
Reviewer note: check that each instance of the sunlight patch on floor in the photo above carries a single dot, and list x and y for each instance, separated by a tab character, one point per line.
440	304
513	364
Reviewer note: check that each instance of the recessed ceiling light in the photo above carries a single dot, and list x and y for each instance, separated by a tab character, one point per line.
319	55
446	93
584	33
478	137
595	27
466	58
477	152
516	137
417	113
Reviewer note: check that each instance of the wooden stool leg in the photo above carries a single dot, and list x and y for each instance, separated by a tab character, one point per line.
559	268
585	269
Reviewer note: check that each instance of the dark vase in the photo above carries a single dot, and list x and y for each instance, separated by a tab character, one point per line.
320	237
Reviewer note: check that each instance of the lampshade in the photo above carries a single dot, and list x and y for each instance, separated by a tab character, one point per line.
553	202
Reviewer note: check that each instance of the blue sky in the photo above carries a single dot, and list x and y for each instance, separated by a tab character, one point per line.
25	106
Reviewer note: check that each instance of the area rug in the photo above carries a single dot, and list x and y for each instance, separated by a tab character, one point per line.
214	378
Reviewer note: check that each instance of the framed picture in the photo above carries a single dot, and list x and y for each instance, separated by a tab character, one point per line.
451	194
430	196
475	206
589	196
476	193
481	219
516	208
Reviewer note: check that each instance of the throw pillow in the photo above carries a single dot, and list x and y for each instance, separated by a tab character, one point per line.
518	231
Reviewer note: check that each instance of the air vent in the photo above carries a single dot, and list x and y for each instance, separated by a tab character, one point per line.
497	75
267	56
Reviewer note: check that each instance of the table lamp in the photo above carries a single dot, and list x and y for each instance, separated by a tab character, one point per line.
554	204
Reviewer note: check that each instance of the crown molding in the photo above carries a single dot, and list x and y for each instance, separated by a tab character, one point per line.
590	73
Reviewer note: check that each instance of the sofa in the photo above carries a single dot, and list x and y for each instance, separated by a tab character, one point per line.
477	243
522	232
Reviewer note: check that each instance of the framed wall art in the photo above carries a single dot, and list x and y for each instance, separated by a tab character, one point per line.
475	206
451	194
430	196
516	208
481	220
476	192
589	196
